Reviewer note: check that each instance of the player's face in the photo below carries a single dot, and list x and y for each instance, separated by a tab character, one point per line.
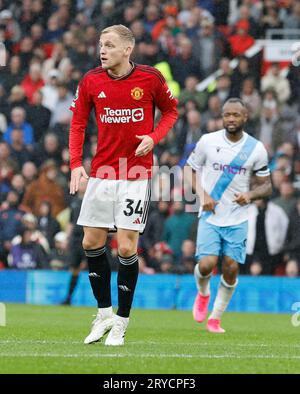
113	51
234	117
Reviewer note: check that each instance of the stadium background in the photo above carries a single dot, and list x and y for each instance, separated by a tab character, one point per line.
208	50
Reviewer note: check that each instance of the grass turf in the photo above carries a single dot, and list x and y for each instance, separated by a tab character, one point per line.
49	339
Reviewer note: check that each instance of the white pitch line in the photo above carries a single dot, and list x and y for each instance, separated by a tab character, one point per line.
62	342
162	355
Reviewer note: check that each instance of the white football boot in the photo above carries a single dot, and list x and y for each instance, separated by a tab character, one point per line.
101	325
117	333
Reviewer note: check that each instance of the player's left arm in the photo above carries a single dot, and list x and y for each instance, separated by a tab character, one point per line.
167	104
262	188
262	185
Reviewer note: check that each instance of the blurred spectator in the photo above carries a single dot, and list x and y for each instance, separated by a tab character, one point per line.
53	31
214	110
18	116
49	148
190	93
5	158
292	21
251	98
11	27
177	228
14	74
26	51
270	19
241	41
29	172
29	221
59	254
146	50
209	47
267	229
18	185
286	200
292	269
10	223
26	254
76	256
161	257
38	116
268	117
46	223
292	246
50	90
57	62
192	131
223	88
274	80
155	225
17	98
33	81
187	260
18	149
185	63
61	114
239	75
152	16
45	188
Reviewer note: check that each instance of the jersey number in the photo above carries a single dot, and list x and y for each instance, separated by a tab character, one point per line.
130	210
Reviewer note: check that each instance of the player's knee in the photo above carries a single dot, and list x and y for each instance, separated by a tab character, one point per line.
206	265
89	243
230	269
126	248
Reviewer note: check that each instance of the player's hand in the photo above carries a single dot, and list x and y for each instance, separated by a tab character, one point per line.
242	198
76	176
209	204
145	146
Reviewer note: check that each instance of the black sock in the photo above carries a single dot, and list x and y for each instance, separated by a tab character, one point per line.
72	285
99	275
127	278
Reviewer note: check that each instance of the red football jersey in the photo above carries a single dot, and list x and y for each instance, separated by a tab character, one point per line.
124	107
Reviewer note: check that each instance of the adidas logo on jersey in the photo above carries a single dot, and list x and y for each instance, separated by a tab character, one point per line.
137	221
102	95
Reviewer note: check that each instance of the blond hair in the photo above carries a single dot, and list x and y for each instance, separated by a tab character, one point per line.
123	32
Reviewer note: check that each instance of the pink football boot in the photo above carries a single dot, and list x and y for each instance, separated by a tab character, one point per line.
200	307
213	325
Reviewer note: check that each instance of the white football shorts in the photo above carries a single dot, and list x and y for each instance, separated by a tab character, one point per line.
116	204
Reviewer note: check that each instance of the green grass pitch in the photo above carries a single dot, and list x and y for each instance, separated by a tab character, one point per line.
48	339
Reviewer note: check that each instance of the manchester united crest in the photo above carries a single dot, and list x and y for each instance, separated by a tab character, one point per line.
137	93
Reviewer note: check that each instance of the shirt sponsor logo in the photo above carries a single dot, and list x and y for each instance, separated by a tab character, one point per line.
235	170
122	115
137	93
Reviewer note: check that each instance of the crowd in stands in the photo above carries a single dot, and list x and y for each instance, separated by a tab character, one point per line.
49	47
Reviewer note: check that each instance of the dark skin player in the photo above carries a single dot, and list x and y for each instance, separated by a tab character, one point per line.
234	119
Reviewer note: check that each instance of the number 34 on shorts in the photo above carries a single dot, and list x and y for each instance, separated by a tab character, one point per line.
116	204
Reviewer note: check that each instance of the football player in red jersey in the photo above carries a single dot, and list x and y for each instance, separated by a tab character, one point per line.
124	96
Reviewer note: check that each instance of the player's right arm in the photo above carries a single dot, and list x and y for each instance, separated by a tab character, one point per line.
196	161
81	108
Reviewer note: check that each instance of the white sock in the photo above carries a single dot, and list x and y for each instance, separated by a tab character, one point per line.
223	297
106	312
202	282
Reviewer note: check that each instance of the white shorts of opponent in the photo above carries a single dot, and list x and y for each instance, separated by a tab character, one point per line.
116	204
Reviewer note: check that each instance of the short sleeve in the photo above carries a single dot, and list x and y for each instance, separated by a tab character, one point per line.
198	157
261	164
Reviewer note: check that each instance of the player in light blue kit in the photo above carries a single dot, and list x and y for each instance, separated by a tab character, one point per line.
223	164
